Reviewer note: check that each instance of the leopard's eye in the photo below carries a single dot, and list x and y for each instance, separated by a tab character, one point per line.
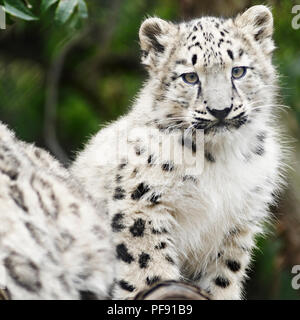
238	72
190	78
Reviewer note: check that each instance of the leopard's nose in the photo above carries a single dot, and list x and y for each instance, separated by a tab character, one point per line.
219	114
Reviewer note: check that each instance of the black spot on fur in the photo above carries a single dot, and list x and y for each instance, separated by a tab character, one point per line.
138	228
261	136
230	53
134	172
98	231
12	174
24	272
144	54
190	178
209	157
169	259
152	280
259	150
257	189
167	166
220	42
182	61
37	153
199	90
87	295
123	254
150	159
160	246
234	231
126	286
233	265
197	44
154	198
161	231
258	34
122	165
118	178
64	241
74	208
138	150
34	232
18	197
46	196
143	260
260	20
197	277
116	224
222	282
110	291
194	59
140	191
119	193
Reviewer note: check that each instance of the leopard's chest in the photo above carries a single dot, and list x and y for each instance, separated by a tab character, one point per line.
223	197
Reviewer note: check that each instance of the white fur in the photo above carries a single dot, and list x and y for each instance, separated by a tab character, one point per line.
42	208
232	193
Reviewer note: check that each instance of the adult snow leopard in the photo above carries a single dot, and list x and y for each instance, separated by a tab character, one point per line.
208	75
54	242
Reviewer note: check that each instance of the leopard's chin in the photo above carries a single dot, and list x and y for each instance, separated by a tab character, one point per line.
221	126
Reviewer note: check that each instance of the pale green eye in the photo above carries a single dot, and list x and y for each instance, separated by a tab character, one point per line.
238	72
190	78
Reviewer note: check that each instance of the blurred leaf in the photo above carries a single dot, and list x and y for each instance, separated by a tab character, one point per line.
64	10
82	9
18	9
74	22
46	4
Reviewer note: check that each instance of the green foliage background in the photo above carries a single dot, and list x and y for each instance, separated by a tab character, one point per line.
99	77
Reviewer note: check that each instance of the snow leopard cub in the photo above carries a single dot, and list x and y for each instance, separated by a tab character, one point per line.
54	243
208	75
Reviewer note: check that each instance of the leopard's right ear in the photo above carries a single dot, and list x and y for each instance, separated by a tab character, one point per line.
154	37
257	22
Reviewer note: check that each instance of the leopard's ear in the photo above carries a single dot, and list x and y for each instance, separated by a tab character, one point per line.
155	34
257	21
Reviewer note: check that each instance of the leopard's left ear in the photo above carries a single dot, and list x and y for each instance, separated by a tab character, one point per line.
257	21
